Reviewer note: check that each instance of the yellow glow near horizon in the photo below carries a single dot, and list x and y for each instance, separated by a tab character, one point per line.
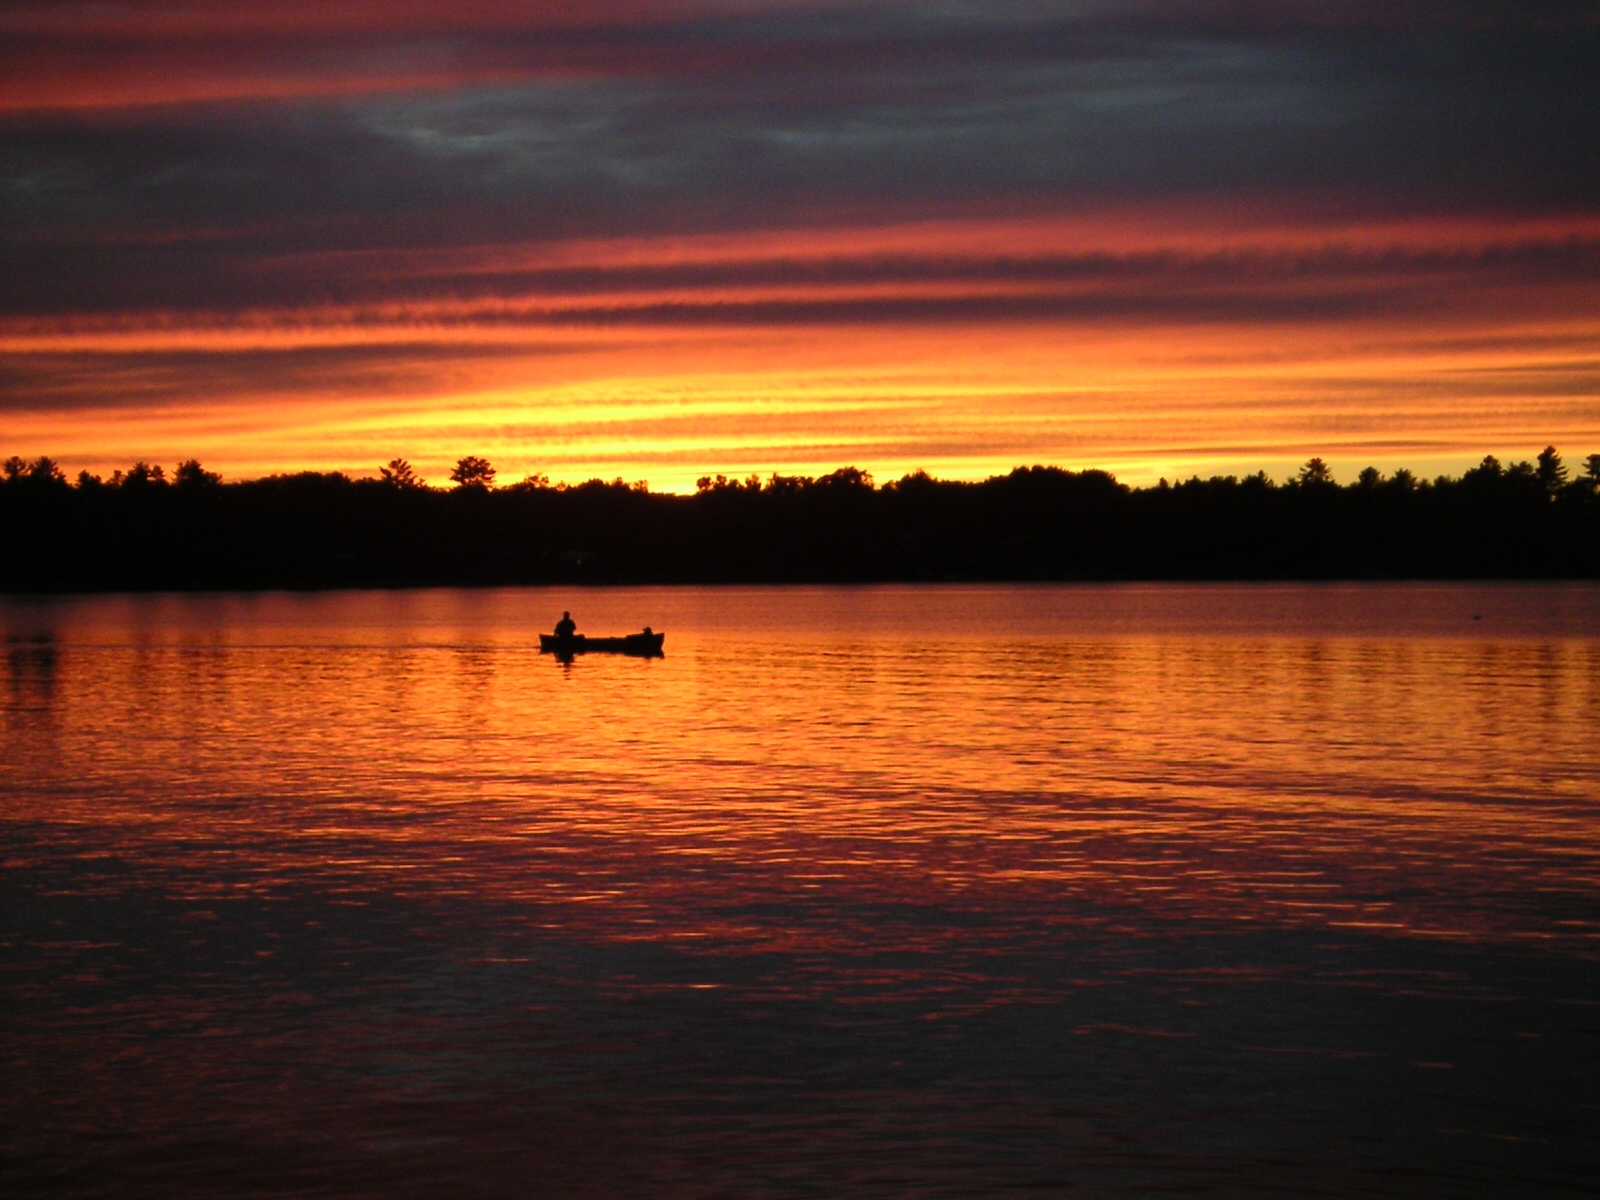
669	381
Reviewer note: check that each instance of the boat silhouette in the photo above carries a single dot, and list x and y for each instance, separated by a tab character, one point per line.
640	645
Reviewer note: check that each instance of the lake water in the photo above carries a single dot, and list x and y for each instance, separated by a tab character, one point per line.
856	892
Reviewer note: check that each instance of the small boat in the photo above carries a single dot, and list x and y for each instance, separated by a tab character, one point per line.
641	645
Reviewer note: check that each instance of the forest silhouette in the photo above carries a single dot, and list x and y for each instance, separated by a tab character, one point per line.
141	530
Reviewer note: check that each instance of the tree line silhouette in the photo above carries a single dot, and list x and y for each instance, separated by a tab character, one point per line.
141	530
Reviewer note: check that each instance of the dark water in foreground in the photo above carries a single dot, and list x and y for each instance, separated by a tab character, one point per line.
885	892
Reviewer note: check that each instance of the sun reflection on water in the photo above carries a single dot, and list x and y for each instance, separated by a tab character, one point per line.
375	837
1386	783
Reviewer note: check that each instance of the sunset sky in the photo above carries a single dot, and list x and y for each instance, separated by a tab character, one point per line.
659	240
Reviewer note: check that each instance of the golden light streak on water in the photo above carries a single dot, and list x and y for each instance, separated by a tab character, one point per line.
967	730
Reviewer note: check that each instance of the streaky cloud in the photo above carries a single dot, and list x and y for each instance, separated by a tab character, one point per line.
749	234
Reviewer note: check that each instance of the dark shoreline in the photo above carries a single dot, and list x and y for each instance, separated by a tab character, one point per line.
314	532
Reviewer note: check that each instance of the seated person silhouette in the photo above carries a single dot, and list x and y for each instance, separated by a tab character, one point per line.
566	627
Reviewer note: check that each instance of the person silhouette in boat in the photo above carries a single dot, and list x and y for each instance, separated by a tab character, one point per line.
566	627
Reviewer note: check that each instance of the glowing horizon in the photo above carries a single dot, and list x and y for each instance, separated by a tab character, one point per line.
662	242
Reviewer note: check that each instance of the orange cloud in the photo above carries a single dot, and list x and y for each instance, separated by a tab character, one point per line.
736	235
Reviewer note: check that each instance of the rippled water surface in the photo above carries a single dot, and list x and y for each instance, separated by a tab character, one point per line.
856	892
